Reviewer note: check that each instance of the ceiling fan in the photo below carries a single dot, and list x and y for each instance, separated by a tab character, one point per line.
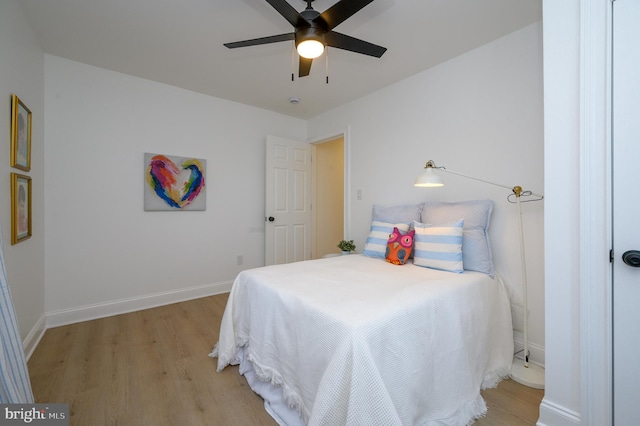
314	31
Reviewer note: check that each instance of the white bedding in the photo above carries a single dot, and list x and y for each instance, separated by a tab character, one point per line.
353	340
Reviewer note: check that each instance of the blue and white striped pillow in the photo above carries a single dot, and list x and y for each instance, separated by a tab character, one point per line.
439	246
376	243
476	247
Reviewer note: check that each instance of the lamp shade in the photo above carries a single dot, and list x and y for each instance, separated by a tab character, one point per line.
428	179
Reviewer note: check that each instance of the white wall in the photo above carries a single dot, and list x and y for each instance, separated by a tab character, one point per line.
562	174
577	217
479	114
104	253
21	68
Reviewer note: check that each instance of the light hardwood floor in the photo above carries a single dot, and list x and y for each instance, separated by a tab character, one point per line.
151	368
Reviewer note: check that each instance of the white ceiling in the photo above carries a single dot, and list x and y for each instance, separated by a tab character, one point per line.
179	42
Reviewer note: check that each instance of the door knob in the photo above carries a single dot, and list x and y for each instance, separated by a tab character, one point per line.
632	258
271	218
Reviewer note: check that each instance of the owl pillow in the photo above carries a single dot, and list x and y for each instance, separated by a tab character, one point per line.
399	247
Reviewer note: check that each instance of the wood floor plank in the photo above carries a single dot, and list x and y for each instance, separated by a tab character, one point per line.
152	368
511	404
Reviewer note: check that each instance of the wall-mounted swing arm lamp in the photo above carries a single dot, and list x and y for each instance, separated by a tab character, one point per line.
521	371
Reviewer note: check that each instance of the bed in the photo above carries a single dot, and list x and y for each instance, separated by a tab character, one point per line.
353	340
357	340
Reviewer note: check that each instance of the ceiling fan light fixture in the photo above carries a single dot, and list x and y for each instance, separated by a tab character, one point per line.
310	42
310	49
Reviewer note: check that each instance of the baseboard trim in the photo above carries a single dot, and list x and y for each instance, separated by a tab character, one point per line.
30	343
123	306
552	414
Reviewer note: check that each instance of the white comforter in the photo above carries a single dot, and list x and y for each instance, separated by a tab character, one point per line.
358	341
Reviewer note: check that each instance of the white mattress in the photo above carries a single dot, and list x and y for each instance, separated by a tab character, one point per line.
353	340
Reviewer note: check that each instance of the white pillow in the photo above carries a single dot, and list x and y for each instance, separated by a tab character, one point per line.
404	213
439	246
376	243
476	249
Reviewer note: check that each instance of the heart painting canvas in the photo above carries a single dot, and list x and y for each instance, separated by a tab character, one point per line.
174	183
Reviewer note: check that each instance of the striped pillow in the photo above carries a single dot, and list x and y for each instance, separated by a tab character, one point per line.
376	243
439	246
476	247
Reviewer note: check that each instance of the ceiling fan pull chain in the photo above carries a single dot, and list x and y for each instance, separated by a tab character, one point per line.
326	65
293	59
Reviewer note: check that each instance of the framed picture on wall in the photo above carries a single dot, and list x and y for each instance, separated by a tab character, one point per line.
20	208
20	135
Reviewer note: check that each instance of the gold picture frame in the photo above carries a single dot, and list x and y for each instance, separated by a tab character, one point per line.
20	134
20	208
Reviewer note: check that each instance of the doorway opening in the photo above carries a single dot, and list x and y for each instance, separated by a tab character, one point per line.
329	199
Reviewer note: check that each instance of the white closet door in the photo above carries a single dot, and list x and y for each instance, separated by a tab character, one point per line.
626	211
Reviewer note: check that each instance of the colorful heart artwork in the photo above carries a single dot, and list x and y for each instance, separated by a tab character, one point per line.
176	183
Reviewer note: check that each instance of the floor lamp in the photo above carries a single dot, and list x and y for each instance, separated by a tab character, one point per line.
521	371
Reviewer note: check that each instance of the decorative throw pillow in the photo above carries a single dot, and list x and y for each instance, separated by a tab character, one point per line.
399	247
476	249
439	246
376	243
405	213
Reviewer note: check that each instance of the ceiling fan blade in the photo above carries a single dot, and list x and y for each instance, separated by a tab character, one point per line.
304	67
339	13
261	40
289	13
343	41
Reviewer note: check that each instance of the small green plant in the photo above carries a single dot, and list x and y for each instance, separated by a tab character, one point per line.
345	245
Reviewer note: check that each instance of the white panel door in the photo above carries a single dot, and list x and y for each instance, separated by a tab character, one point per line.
287	201
626	211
